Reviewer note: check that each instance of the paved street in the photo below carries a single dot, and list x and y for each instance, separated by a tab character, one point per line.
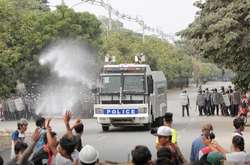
116	144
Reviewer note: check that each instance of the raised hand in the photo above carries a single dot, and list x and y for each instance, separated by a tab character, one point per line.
36	135
67	117
47	125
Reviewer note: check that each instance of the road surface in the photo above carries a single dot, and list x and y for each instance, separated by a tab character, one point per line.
117	144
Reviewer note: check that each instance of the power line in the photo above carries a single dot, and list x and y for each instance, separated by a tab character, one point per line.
140	21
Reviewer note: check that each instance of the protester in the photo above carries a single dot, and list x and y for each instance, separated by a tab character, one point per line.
164	156
40	123
238	154
78	128
67	144
44	155
215	158
18	135
88	155
239	126
168	121
198	143
164	152
19	148
23	152
184	102
164	135
141	155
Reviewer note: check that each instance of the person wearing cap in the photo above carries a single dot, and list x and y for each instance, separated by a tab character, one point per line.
184	98
198	143
164	135
88	155
168	120
18	135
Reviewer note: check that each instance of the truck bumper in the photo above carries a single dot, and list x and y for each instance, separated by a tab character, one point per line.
121	118
123	121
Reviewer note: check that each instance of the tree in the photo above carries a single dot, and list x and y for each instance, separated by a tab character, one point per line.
221	33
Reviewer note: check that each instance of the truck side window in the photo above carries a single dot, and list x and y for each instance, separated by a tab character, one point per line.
150	84
161	90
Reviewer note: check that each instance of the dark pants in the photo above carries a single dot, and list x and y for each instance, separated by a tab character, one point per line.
207	109
201	108
236	109
183	109
212	109
231	110
216	107
225	110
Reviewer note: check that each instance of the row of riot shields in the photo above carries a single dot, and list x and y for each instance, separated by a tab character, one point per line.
15	108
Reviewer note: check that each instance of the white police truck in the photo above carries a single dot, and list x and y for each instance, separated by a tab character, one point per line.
130	95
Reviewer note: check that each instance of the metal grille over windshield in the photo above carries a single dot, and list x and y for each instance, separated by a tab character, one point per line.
111	84
134	83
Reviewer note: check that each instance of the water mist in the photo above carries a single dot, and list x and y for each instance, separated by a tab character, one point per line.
74	67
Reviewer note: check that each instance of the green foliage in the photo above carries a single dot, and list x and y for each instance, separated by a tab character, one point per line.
221	33
161	55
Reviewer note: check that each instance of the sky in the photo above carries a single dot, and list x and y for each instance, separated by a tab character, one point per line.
170	16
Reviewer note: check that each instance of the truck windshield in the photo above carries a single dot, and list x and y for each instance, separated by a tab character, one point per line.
134	83
111	84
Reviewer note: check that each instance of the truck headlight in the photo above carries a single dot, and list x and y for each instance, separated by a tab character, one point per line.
143	110
98	111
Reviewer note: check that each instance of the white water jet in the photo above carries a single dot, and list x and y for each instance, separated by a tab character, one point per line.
74	65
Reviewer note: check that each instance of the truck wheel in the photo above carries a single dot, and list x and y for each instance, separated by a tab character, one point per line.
147	126
105	128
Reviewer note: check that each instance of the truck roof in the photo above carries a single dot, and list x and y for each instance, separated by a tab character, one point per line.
129	66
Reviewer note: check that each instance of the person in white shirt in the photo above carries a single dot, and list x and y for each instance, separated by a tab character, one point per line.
184	102
238	155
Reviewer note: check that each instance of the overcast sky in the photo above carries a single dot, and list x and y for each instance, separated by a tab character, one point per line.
170	16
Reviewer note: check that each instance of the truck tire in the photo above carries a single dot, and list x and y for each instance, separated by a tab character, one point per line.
105	128
147	126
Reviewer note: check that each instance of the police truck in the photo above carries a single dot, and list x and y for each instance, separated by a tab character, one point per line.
130	95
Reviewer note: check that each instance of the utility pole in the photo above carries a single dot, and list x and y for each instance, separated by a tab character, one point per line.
62	2
109	20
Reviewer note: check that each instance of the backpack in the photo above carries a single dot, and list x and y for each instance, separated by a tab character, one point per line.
244	104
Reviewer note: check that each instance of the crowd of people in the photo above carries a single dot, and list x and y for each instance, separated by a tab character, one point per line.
46	149
226	102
